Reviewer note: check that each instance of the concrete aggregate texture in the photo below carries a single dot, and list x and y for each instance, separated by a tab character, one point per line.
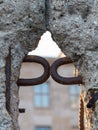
74	27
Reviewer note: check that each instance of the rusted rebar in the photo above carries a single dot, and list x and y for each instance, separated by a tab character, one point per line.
81	115
93	100
8	77
42	78
60	79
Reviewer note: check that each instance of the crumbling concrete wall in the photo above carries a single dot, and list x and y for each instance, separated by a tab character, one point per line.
22	23
74	26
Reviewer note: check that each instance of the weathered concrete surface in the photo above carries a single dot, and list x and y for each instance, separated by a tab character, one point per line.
22	23
74	26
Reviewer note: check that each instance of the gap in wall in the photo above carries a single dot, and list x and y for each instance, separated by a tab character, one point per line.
49	106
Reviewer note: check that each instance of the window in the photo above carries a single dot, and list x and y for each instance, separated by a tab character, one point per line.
74	95
41	95
42	128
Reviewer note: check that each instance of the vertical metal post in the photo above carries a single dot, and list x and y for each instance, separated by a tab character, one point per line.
81	120
8	78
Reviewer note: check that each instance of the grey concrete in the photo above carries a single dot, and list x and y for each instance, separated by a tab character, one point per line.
22	23
74	26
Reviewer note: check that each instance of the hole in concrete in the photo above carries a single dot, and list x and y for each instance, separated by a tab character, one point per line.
49	105
46	47
86	12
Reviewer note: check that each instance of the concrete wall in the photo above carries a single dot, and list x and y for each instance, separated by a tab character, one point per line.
74	27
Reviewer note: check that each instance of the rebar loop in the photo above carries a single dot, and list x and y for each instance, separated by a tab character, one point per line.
60	79
42	78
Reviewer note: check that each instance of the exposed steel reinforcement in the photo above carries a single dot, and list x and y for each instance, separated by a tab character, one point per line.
42	78
47	72
93	100
8	77
81	115
60	79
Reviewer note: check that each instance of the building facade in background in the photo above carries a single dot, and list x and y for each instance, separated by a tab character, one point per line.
48	106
